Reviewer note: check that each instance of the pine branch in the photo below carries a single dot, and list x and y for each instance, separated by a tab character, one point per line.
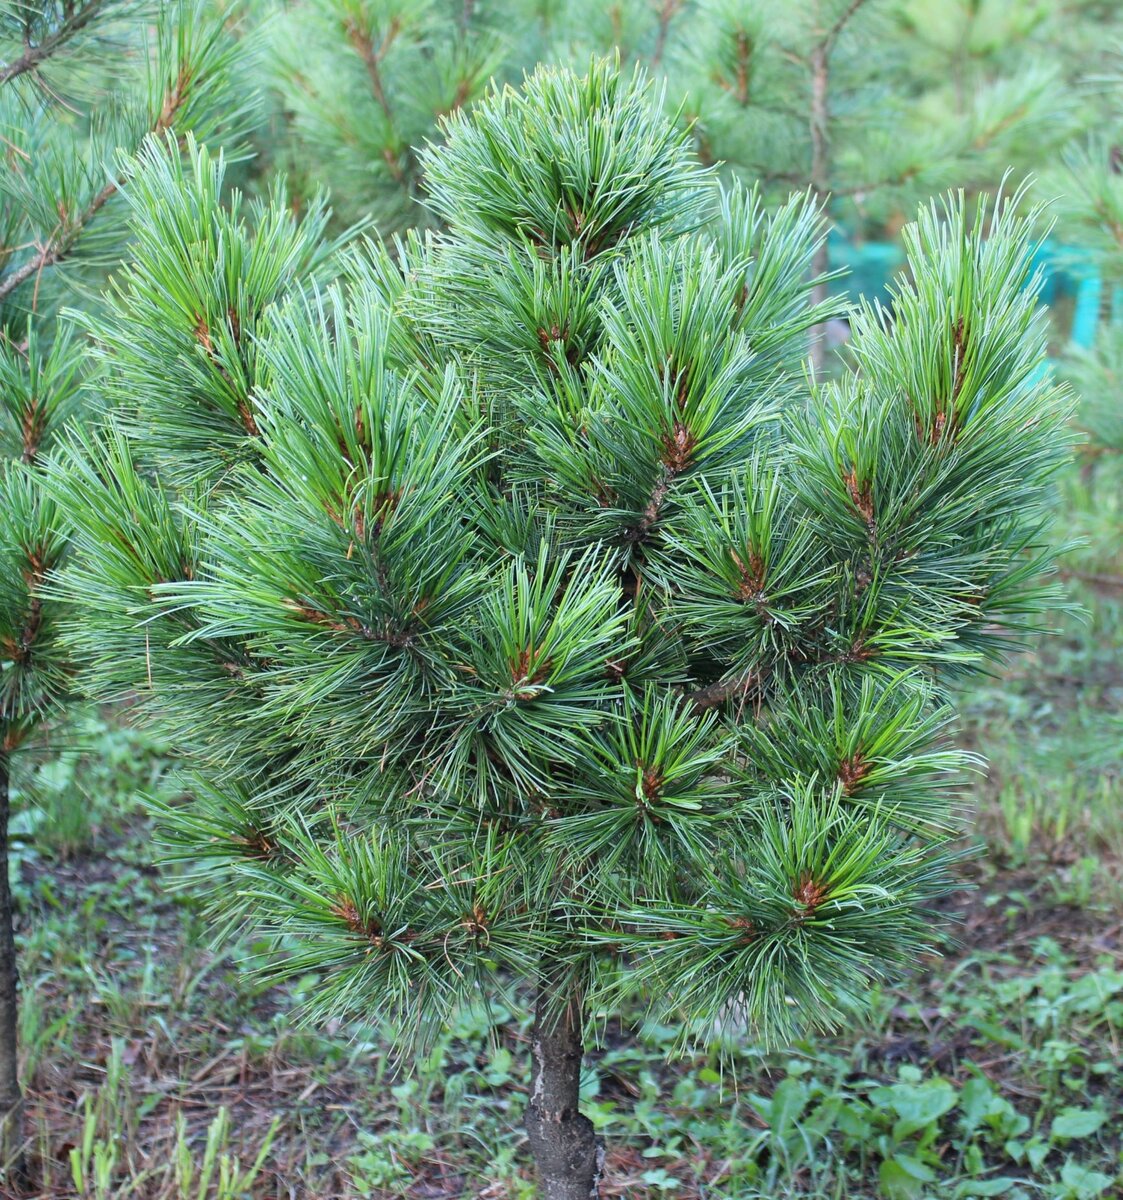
667	12
897	180
35	56
714	695
819	119
827	42
372	57
19	649
62	242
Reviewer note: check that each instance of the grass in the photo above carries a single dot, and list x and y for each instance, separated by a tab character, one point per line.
155	1069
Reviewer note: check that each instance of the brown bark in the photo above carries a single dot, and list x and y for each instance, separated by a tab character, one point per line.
820	185
62	241
566	1150
11	1099
819	65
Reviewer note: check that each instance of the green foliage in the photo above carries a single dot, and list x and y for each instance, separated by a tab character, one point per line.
1018	1018
227	266
361	85
81	86
1091	208
477	627
875	104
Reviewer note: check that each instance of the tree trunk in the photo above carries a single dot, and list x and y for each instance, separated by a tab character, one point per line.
567	1152
820	186
11	1099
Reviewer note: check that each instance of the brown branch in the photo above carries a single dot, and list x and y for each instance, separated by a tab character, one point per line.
18	650
856	189
651	513
819	64
32	428
819	129
372	58
988	135
59	244
64	238
34	56
740	90
832	35
713	695
459	97
173	100
667	12
351	625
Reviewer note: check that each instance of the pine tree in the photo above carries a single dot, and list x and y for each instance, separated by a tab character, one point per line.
362	84
525	614
80	83
1090	205
1088	184
838	95
872	104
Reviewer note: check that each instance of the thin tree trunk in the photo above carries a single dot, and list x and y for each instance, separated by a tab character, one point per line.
819	64
11	1099
820	185
567	1152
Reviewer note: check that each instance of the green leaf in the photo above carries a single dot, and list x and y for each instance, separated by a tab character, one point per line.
1082	1182
974	1101
917	1105
985	1187
1077	1122
903	1178
1037	1151
788	1102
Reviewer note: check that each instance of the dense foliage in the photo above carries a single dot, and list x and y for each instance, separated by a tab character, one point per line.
876	103
522	609
81	85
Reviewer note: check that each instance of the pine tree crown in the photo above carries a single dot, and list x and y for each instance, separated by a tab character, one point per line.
522	597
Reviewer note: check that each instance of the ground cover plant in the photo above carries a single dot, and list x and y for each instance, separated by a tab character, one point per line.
522	612
81	85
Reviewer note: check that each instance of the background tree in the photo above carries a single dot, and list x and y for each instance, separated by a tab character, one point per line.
871	104
80	83
1091	209
360	86
832	95
523	616
1088	184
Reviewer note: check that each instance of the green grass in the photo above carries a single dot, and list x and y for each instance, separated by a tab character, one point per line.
157	1069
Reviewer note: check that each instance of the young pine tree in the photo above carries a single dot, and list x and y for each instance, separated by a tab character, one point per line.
1088	185
525	618
1090	208
840	96
80	84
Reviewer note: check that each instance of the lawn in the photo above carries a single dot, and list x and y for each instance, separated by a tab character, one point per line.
157	1068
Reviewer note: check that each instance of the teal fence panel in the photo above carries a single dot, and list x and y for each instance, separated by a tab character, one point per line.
1067	272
